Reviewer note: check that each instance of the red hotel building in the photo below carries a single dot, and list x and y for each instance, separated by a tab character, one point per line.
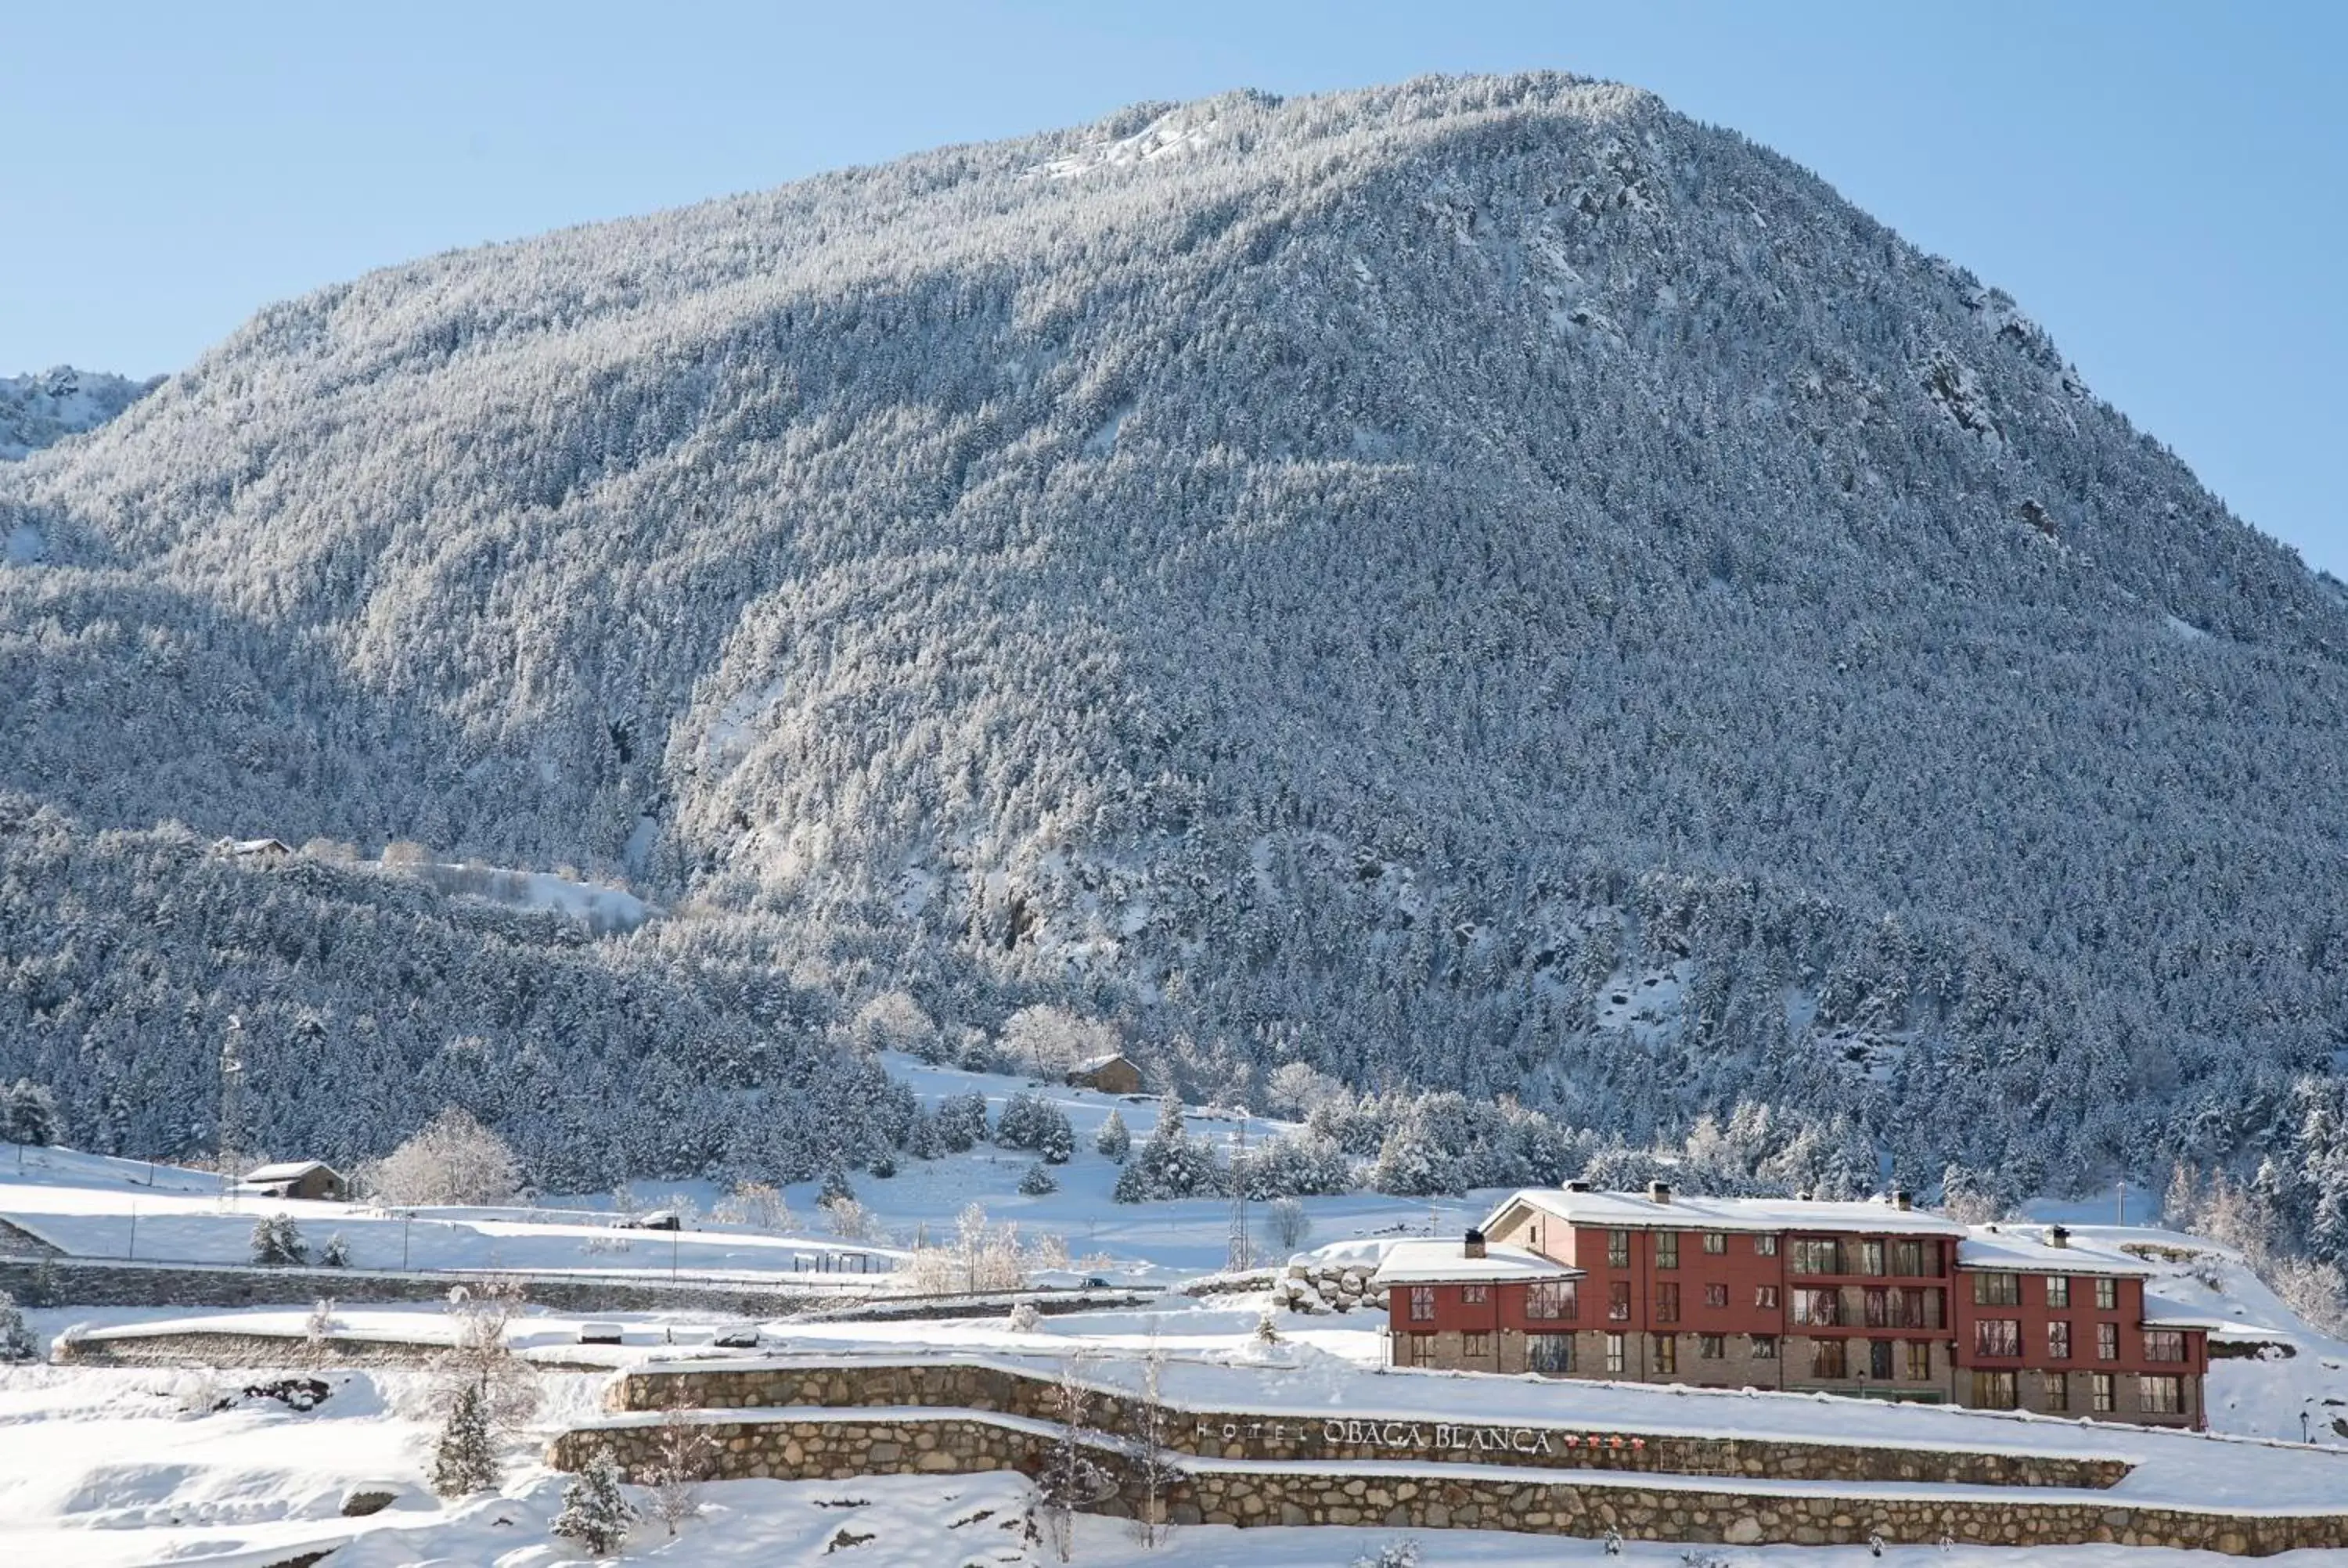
1877	1299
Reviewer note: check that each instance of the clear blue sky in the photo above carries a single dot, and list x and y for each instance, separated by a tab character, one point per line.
2161	185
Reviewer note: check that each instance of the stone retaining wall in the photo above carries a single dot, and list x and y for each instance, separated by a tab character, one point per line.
841	1449
99	1282
205	1348
1256	1436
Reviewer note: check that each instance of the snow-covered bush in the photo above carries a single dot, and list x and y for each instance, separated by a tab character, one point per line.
684	1456
322	1325
481	1357
452	1160
1288	1224
1025	1318
758	1204
850	1220
1038	1182
336	1253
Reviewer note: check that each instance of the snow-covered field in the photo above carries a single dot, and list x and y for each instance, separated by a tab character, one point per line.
94	1206
102	1466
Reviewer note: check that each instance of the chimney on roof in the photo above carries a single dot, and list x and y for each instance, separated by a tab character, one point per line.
1577	1185
1901	1201
2057	1235
1473	1246
1659	1192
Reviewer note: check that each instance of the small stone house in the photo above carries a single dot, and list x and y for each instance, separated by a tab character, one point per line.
1113	1074
312	1179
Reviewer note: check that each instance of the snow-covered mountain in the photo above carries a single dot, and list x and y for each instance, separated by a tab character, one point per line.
1483	582
37	410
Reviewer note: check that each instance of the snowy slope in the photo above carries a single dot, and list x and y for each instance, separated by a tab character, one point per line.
96	1206
37	411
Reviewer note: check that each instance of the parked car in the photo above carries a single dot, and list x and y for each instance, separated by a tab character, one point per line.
658	1220
599	1334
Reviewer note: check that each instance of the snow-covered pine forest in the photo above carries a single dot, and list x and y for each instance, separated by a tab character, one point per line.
1483	585
37	411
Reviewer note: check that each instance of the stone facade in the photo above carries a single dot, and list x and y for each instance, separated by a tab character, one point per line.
843	1447
1237	1435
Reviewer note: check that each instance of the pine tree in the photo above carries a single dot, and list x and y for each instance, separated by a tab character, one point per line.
596	1514
1114	1139
463	1460
1038	1182
16	1341
277	1241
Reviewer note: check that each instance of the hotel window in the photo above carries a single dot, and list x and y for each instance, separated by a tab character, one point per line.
2160	1395
1422	1349
2108	1341
2105	1402
1909	1258
1476	1346
1667	1302
1618	1249
1667	1355
1993	1391
1997	1337
1475	1295
1715	1242
1765	1298
1827	1359
1551	1355
1618	1302
1910	1302
1818	1307
2056	1387
2058	1341
2058	1290
1997	1290
1715	1295
1813	1254
1667	1249
1871	1257
1878	1360
2107	1295
2163	1344
1550	1298
1764	1347
1919	1360
1765	1247
1712	1346
1878	1308
1422	1304
1615	1353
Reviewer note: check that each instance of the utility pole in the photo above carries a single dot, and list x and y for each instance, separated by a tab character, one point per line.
133	1252
406	1223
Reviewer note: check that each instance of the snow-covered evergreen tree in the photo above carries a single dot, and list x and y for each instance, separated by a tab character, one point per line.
277	1240
595	1512
463	1458
1114	1140
16	1341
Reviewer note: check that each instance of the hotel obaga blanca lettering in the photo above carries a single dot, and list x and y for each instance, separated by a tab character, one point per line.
1406	1437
